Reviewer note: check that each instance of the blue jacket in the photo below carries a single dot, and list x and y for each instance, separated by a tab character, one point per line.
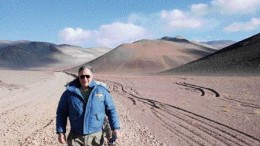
85	117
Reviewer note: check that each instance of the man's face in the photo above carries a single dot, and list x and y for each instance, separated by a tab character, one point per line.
85	77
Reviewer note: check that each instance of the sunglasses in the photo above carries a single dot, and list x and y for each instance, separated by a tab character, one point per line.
84	76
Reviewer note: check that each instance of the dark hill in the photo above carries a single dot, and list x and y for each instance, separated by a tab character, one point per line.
242	58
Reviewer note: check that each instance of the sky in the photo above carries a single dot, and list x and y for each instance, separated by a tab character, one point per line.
109	23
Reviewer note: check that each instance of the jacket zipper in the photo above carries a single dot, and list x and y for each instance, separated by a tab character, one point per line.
87	110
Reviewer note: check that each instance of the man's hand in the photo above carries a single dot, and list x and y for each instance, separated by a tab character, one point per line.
62	138
117	134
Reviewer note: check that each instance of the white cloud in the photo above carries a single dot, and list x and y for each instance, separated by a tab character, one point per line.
199	9
74	36
109	35
118	33
178	19
201	17
253	24
236	6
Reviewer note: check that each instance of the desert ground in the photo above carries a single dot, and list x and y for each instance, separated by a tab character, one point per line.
155	110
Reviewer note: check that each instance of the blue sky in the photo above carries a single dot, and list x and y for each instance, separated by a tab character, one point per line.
109	23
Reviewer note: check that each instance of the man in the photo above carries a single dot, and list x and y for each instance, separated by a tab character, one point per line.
86	103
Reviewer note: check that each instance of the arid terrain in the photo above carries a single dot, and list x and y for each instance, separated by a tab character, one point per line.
154	110
167	92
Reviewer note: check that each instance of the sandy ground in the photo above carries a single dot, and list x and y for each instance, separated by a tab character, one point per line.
154	110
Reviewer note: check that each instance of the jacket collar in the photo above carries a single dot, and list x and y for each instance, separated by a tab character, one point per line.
75	85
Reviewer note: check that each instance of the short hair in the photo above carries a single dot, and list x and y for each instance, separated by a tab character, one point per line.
84	67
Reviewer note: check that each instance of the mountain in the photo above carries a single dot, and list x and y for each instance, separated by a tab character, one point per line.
148	56
181	39
241	58
4	43
43	55
178	38
219	44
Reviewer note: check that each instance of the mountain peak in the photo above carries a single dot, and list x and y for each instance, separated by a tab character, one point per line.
178	38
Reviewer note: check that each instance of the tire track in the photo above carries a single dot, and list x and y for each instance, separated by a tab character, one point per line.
29	138
204	132
8	111
210	126
204	89
200	88
184	136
